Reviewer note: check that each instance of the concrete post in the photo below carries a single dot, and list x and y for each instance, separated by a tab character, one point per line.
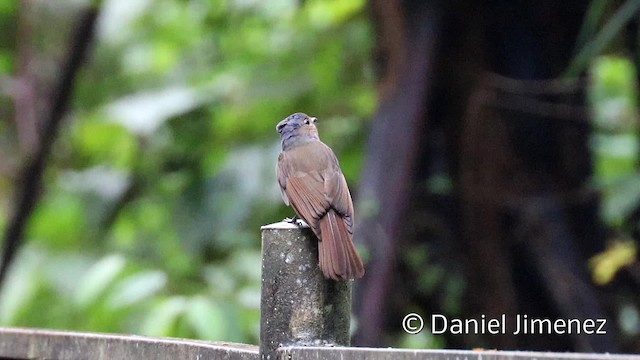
299	307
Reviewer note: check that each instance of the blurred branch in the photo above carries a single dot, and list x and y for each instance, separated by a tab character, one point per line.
533	87
30	178
590	25
7	166
392	150
542	228
541	108
7	86
24	90
127	196
617	22
634	271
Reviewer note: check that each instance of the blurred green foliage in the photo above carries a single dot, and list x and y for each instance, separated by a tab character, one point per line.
164	171
615	145
614	94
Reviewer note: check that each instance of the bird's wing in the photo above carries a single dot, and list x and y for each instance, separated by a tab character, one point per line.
337	192
336	189
304	190
282	178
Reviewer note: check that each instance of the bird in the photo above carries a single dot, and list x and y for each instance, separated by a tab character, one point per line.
312	182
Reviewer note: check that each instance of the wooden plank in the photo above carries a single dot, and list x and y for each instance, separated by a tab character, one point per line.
22	343
309	353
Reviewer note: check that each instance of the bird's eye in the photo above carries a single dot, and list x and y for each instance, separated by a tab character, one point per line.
306	121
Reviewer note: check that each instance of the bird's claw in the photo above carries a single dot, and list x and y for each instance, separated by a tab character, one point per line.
297	221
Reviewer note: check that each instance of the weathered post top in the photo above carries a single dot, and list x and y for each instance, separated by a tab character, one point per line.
299	306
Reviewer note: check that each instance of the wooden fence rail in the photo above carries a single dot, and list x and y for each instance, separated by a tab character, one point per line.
21	343
315	353
303	317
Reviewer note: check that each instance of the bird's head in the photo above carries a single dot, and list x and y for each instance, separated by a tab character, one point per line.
296	128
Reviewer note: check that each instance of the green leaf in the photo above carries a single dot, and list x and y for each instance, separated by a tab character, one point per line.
98	278
6	62
613	94
161	320
99	141
620	198
21	285
615	156
207	318
324	13
59	221
136	288
144	112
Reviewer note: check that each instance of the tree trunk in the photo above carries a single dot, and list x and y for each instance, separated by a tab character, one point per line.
468	90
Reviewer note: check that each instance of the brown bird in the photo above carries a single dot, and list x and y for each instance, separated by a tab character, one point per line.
312	183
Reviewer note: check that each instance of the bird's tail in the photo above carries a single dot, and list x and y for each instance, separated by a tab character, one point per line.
338	257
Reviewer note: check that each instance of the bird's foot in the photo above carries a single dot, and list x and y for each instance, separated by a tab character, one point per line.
297	221
291	220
